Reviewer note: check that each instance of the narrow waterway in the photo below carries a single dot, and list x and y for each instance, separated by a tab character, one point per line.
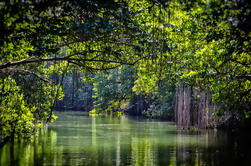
77	139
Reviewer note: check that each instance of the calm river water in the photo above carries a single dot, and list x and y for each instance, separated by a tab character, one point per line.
76	139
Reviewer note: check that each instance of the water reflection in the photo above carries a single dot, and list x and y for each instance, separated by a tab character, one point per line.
76	139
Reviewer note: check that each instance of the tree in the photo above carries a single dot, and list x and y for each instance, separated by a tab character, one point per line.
113	90
42	38
203	44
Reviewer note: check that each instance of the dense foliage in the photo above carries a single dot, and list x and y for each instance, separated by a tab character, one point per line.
203	44
41	41
114	94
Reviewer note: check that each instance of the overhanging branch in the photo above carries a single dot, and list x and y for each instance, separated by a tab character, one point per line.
68	58
23	71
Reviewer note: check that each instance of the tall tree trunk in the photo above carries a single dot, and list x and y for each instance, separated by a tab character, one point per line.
73	88
194	108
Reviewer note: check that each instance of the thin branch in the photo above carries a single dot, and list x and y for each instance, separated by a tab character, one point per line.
94	68
67	58
23	71
102	69
29	61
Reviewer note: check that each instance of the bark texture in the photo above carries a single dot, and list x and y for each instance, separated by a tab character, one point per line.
195	108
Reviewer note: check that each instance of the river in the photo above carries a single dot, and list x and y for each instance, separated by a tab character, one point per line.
77	139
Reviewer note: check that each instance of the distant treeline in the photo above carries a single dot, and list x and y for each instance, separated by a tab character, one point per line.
113	91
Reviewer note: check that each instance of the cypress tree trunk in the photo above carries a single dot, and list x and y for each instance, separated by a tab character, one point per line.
194	108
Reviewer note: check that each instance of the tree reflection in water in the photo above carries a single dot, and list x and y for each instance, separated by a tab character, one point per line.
76	139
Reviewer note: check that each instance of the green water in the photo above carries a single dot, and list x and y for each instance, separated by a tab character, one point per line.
76	139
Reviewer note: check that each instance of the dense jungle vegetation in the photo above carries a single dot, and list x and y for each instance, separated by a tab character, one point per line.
121	56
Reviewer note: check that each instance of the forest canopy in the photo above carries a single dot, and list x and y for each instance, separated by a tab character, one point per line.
203	44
